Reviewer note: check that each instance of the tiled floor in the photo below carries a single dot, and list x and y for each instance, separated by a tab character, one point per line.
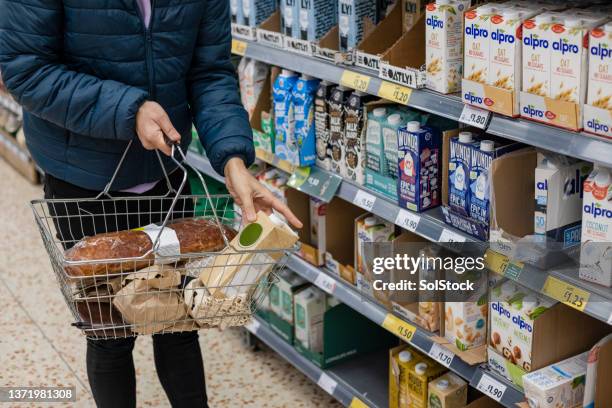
38	347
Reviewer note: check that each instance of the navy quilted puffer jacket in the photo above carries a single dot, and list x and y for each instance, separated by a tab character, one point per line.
82	68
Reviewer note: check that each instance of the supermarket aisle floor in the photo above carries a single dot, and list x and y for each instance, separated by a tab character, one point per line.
38	347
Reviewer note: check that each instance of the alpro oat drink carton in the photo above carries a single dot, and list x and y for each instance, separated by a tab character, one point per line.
444	50
600	67
477	45
536	54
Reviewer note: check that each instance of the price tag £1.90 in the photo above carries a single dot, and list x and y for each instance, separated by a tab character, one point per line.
364	200
491	387
407	220
475	117
441	354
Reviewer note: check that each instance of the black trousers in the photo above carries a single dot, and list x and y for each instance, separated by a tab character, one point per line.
110	365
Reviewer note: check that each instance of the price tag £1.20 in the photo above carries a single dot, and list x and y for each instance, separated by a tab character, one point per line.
476	117
491	387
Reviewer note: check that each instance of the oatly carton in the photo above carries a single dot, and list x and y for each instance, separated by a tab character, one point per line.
419	167
460	159
236	11
479	178
444	45
596	248
322	130
558	198
289	18
477	44
351	15
337	102
316	18
354	149
254	12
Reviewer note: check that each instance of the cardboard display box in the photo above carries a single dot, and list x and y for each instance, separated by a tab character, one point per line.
566	115
328	48
263	135
268	33
369	51
311	248
489	97
404	61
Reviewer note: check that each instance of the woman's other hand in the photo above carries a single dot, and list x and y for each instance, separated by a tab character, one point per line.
152	123
251	195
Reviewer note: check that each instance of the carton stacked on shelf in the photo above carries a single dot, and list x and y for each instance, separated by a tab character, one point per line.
246	15
598	107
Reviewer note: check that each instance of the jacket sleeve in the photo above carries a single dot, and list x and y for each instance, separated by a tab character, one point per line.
31	43
221	121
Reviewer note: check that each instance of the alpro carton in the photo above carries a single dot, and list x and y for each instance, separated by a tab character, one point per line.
309	307
537	54
374	142
289	18
448	391
354	153
254	12
569	50
477	45
558	385
337	102
351	19
419	167
322	125
303	95
600	68
459	164
284	117
369	228
316	18
558	198
444	45
479	176
596	248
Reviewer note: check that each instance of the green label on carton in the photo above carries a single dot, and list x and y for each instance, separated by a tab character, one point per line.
250	234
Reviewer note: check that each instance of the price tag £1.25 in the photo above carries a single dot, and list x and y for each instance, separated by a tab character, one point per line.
491	387
441	354
476	117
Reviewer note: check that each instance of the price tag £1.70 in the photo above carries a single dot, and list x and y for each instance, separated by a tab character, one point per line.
476	117
491	387
364	200
441	354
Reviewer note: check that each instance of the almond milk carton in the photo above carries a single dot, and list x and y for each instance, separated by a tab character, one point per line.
505	65
600	68
536	54
444	45
568	57
477	44
596	247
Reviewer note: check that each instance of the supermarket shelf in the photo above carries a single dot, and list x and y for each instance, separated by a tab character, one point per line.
363	378
580	145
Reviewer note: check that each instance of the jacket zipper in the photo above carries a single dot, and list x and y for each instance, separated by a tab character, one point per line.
148	47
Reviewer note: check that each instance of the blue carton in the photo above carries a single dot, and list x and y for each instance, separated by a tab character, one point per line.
236	11
254	12
459	164
316	18
290	18
305	133
419	151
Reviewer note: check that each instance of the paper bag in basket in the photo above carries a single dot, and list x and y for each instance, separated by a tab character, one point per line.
238	271
149	298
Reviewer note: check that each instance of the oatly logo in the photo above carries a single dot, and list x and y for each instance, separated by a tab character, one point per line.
501	37
534	42
565	47
601	52
471	98
533	112
474	31
596	126
434	22
597	211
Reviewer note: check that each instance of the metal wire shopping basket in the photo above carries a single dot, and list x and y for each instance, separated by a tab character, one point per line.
157	291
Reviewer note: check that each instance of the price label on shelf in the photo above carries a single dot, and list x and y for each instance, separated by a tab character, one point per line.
325	282
253	326
239	47
491	387
502	265
400	328
476	117
364	200
357	403
355	80
394	92
327	383
407	220
450	236
566	293
441	354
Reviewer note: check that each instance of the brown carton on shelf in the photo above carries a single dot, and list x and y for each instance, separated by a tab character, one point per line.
249	256
448	391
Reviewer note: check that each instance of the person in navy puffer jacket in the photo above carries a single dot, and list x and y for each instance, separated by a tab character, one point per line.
93	76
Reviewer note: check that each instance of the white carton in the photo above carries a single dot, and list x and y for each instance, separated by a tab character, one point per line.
558	198
310	305
536	54
596	249
600	67
558	385
444	45
568	58
477	45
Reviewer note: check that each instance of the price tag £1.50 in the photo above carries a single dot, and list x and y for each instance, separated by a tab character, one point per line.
364	200
475	117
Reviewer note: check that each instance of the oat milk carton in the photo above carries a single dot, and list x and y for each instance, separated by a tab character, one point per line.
448	391
558	385
374	142
477	45
284	118
321	109
351	15
254	12
444	45
316	17
389	134
537	53
236	12
600	67
289	18
568	58
460	159
354	149
337	103
596	248
303	105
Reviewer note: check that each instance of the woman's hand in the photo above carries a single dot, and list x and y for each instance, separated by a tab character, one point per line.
251	195
152	122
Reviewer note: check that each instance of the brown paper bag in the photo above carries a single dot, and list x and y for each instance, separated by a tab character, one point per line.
150	299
